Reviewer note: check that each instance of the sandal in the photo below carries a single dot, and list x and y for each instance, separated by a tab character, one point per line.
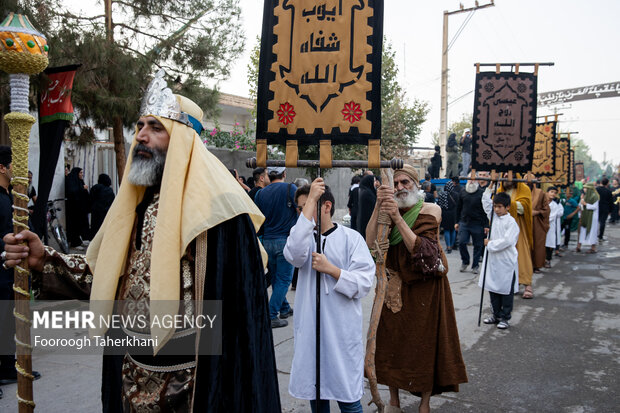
528	293
591	251
490	320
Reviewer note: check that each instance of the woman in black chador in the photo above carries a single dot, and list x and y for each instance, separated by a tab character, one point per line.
78	205
101	197
366	204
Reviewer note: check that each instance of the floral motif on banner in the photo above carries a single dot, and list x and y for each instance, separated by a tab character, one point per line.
352	112
286	113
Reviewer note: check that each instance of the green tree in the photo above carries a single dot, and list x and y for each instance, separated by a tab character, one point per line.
458	127
119	48
401	120
591	168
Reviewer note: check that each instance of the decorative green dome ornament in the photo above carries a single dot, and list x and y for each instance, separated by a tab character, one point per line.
23	52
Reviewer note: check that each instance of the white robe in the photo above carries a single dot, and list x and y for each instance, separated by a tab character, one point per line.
554	235
590	238
501	252
342	340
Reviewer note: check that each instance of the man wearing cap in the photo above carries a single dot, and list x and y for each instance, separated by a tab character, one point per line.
177	205
276	202
261	180
466	151
418	346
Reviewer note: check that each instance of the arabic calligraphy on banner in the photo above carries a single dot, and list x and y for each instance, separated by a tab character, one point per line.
544	149
562	162
56	96
604	90
320	71
572	166
504	122
580	172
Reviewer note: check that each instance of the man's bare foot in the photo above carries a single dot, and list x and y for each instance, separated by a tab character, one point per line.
425	403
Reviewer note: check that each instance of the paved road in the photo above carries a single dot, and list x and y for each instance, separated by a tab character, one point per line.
561	354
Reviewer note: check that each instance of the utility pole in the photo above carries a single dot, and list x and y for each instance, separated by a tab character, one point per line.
443	122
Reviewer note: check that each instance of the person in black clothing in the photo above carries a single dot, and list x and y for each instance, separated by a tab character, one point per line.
261	180
605	206
366	203
471	222
101	196
7	324
428	192
448	200
452	153
435	164
32	193
614	210
8	373
466	151
354	200
78	206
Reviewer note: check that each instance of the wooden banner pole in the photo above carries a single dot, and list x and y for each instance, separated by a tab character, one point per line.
318	305
353	164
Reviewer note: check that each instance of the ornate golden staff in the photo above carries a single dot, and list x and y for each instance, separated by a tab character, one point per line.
23	52
382	244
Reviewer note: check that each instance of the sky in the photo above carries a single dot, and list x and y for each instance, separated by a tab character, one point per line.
580	37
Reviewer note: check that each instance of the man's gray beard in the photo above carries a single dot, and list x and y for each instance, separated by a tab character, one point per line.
412	198
147	171
471	187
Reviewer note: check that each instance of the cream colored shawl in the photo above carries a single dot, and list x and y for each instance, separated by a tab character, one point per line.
197	193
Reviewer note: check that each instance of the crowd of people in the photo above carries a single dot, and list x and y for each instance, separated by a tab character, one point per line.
545	218
80	202
181	218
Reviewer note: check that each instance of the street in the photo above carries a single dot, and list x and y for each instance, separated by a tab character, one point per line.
561	353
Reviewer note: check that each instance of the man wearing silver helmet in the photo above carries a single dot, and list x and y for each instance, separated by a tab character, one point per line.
173	235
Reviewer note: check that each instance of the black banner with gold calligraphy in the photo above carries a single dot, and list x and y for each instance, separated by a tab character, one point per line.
504	123
580	173
544	149
562	162
320	71
572	167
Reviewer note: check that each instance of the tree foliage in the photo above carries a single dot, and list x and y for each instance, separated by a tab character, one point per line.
401	120
591	168
195	41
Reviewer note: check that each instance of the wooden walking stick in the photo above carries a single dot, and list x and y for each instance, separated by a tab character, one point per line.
23	52
382	244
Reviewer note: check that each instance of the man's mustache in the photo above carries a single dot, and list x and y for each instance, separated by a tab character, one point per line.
142	148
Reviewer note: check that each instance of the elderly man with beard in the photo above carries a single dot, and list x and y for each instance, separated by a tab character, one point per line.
177	206
472	222
418	346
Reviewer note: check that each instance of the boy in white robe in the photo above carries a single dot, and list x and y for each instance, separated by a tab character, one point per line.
556	211
347	272
501	252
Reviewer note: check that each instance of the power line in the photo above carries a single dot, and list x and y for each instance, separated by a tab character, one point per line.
460	97
458	32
